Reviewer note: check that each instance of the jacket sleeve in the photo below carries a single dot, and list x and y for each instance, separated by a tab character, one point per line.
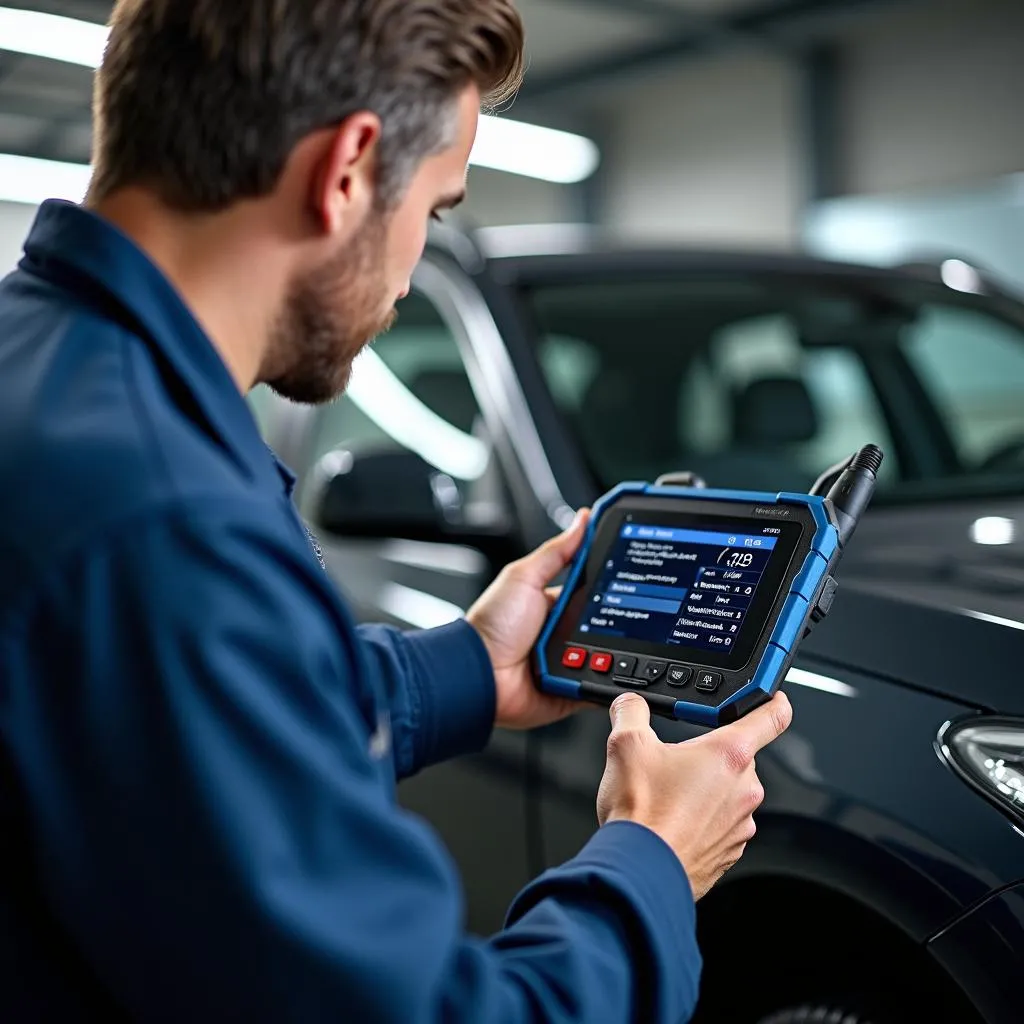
440	691
219	840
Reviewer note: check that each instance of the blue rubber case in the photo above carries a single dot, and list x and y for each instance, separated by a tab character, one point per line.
789	621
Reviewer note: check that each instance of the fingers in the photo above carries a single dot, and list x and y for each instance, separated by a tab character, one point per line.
629	711
553	556
754	732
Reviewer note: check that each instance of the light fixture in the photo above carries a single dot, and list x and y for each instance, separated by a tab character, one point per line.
50	35
26	179
961	277
401	415
533	151
987	752
993	530
501	144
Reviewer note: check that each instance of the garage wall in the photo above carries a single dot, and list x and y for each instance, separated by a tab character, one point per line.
708	153
984	226
931	96
934	101
495	198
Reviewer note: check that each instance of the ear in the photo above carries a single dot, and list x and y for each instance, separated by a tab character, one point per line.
344	180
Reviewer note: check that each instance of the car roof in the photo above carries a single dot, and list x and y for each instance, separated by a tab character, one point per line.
527	254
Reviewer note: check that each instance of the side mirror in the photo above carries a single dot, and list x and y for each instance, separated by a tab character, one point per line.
389	493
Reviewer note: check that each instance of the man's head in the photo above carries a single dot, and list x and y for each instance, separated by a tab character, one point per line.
342	125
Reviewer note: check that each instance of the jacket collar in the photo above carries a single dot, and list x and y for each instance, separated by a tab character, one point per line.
81	252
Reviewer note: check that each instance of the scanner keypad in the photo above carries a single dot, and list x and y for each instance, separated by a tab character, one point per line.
628	670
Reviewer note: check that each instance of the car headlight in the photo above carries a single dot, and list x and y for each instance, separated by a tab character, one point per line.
988	754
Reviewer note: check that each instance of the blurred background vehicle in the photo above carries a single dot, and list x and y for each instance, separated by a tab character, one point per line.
648	282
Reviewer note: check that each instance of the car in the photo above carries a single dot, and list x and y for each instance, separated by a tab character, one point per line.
533	369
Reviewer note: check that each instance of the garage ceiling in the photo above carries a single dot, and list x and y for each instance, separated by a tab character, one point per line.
573	44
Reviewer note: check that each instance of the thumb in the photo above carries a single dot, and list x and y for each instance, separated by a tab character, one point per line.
762	726
629	712
544	564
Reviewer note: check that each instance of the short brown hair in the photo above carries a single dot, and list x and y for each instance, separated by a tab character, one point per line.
204	100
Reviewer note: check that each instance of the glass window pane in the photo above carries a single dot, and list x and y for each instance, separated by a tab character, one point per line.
972	366
264	404
410	389
717	377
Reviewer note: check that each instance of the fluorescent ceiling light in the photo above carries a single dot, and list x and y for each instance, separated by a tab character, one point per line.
533	151
25	179
49	35
401	415
503	145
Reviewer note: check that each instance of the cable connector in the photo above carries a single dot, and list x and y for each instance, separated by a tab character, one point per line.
852	491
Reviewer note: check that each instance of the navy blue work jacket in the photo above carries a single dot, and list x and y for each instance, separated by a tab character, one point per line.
198	747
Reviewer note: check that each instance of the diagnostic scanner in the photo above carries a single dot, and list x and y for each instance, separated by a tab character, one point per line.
696	598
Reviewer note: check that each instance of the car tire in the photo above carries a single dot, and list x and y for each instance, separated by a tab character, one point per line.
815	1015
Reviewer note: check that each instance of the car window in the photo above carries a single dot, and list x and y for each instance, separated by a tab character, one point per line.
972	367
660	377
758	393
570	366
269	411
762	382
411	389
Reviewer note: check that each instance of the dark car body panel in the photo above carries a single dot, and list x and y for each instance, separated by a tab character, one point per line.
984	951
922	643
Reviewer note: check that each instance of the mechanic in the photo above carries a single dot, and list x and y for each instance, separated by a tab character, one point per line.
199	747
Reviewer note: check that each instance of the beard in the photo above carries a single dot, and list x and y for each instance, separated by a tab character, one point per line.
329	316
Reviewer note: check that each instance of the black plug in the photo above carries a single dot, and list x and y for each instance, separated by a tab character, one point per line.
851	494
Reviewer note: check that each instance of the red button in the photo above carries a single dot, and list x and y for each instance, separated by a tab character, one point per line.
601	662
574	657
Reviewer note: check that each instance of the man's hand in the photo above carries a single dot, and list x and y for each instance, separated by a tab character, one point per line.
699	796
509	617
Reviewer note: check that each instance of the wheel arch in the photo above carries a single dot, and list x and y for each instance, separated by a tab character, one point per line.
828	916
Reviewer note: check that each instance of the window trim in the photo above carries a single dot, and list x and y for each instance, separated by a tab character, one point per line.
499	393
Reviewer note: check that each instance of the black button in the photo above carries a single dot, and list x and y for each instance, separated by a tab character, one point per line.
624	664
629	681
708	681
678	675
653	670
825	599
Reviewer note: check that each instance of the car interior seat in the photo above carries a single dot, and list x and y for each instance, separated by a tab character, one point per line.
627	426
771	418
772	413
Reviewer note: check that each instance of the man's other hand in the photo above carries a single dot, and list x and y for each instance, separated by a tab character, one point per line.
509	617
700	795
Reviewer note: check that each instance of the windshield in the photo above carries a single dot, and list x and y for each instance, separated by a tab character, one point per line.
761	384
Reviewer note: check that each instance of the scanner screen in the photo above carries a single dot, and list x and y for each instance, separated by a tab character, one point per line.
685	586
